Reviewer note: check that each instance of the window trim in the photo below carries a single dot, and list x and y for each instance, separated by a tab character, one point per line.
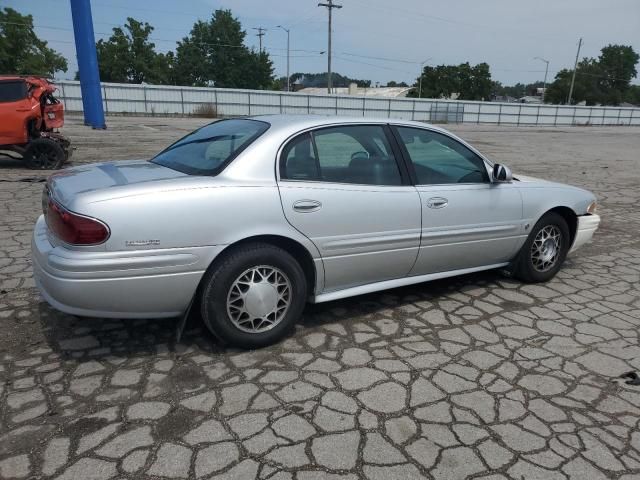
405	177
409	163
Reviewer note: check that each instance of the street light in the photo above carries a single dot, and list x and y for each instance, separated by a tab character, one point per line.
421	69
288	56
546	70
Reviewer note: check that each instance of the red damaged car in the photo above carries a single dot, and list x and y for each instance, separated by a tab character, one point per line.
29	114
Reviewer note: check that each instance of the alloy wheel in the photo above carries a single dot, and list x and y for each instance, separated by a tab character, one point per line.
546	248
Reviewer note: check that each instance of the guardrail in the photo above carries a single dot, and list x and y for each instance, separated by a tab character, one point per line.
122	98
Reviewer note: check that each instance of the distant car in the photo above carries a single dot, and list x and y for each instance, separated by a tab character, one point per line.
248	219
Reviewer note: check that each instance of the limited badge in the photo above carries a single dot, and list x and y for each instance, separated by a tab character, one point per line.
141	243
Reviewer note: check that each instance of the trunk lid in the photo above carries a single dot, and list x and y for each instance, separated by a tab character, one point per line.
68	185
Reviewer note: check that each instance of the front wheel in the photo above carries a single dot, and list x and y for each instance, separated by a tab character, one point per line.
545	250
253	296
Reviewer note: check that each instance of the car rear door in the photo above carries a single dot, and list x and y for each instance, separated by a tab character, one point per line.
345	188
467	221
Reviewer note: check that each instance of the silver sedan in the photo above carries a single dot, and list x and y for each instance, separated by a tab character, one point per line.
249	219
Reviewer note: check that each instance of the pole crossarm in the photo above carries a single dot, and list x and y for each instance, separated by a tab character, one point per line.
260	34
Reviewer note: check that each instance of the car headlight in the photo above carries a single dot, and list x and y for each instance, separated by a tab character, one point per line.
592	207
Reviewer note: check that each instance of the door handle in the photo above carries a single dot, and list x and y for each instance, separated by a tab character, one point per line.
307	206
437	202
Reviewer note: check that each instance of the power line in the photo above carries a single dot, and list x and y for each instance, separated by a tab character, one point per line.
303	21
155	39
396	60
413	14
382	67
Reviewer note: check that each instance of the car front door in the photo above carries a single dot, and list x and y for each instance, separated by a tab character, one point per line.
467	221
345	188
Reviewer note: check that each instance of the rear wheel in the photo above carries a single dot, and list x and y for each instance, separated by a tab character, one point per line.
545	250
44	154
253	296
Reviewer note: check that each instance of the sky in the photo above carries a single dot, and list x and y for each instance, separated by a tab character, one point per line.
377	40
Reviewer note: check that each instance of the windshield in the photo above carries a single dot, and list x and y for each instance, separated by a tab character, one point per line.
210	148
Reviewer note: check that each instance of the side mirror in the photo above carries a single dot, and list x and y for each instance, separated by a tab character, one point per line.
501	174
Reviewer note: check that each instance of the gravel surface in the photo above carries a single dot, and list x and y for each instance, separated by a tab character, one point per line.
476	376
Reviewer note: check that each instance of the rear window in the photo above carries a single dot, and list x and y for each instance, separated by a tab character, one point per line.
13	90
208	150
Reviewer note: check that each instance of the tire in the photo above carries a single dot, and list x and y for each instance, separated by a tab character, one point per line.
540	258
241	320
44	154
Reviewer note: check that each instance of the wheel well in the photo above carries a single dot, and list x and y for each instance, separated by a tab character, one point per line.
570	217
297	250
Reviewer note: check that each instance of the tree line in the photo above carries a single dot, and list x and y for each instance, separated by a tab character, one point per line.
214	54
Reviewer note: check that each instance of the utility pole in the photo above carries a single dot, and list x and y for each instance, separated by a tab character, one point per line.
330	6
288	57
421	72
260	34
546	70
575	67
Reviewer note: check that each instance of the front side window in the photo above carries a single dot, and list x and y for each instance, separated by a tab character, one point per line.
359	154
210	148
438	159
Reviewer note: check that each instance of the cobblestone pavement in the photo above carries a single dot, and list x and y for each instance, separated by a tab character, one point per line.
478	376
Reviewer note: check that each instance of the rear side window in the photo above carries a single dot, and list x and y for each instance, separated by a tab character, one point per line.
208	150
359	154
300	160
12	91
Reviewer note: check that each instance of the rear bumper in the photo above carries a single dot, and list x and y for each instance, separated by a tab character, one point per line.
587	225
128	284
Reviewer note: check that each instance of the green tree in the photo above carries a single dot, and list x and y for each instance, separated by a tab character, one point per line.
516	91
586	88
618	66
21	51
633	95
603	81
214	54
444	81
129	57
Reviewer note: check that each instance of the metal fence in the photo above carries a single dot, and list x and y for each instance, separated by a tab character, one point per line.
120	98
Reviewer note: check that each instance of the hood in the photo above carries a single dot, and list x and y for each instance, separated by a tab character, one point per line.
70	183
528	179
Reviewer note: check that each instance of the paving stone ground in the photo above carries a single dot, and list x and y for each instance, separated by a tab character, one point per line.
478	376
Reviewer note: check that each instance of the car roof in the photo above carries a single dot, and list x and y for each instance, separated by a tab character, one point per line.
303	122
285	126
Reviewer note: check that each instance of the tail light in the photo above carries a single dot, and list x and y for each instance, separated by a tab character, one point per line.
72	228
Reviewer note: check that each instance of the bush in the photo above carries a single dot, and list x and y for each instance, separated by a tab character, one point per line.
206	110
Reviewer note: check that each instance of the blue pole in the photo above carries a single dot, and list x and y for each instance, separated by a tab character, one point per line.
87	63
